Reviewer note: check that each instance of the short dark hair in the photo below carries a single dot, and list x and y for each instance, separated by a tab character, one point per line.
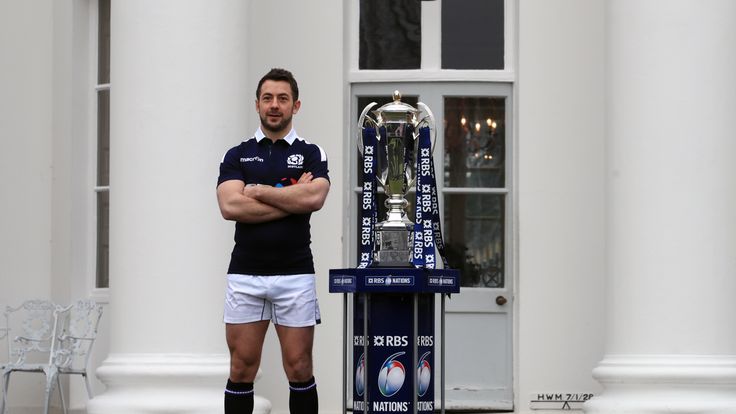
279	74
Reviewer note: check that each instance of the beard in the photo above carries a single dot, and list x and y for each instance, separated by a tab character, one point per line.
275	127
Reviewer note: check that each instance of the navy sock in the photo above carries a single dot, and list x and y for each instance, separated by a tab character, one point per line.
239	398
303	397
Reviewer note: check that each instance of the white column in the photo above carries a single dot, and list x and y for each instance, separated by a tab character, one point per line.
671	344
178	99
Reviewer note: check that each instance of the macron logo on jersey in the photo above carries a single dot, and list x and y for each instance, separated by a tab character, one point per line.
251	159
295	161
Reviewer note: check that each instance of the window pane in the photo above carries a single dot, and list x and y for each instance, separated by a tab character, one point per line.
103	236
390	34
475	142
103	138
472	34
474	238
103	46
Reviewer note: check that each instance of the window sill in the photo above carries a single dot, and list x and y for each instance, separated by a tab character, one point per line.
429	75
100	295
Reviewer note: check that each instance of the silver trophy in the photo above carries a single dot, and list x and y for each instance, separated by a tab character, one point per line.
396	172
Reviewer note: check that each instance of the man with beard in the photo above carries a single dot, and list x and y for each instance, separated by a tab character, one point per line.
269	185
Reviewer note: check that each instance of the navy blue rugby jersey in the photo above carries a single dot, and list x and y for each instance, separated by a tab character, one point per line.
278	247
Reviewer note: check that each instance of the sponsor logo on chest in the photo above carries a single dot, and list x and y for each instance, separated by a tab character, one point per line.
251	159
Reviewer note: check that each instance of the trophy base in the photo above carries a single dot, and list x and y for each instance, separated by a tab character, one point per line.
394	248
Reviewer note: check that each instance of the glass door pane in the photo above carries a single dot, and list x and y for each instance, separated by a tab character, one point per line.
475	188
475	142
474	238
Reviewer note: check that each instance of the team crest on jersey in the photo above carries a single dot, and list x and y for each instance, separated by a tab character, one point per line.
295	161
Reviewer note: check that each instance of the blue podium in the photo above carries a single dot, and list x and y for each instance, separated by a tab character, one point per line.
393	336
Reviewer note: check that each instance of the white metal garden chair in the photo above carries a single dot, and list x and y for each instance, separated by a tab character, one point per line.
76	334
29	331
61	337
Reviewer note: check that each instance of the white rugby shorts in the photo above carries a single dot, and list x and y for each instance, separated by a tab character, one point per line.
287	300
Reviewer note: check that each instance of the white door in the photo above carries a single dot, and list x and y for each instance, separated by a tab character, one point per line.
473	164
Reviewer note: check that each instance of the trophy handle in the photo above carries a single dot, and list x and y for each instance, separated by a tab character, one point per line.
429	120
361	120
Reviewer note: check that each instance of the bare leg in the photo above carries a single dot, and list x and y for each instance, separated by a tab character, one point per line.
296	351
245	342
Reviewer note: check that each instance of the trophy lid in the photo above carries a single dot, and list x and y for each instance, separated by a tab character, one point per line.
396	109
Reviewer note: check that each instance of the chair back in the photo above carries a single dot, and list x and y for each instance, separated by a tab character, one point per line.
77	332
3	343
29	331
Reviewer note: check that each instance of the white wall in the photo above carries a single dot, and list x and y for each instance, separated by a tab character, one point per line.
43	164
39	72
561	196
26	130
25	158
307	39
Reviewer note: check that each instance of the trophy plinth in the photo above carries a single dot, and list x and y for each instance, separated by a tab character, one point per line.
394	235
396	124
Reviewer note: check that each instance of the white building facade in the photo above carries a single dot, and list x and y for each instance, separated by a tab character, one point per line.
583	159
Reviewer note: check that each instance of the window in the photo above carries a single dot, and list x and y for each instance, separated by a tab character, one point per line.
460	39
102	187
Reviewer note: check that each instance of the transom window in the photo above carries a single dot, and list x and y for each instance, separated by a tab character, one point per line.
411	34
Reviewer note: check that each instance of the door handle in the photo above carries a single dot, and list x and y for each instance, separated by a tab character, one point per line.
500	300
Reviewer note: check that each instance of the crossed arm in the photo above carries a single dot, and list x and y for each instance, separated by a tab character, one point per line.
261	203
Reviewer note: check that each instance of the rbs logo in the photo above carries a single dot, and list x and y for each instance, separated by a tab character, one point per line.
390	340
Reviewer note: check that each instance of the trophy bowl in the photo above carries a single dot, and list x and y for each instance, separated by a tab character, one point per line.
397	125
